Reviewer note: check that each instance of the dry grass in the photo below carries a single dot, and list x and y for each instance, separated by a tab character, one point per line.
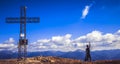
55	60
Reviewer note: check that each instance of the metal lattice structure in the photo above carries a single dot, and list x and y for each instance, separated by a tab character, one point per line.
23	41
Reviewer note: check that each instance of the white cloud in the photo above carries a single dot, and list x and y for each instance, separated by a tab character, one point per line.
118	32
85	11
8	45
43	40
94	36
53	46
10	40
109	37
61	40
99	41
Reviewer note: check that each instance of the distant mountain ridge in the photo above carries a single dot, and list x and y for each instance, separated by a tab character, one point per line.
78	54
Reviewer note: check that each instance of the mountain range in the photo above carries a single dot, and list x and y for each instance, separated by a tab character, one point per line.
77	54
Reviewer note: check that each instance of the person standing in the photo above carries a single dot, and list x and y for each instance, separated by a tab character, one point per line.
88	56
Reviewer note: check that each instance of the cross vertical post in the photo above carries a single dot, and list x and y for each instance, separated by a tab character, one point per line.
23	41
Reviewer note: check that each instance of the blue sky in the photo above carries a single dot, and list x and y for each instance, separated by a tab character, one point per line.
60	17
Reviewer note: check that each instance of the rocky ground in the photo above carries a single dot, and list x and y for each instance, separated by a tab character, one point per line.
55	60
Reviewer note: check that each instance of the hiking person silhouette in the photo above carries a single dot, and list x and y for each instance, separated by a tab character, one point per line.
88	56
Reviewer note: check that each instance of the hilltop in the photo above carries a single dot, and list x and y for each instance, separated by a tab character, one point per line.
55	60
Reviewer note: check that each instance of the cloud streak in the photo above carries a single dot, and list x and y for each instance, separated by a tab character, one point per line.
85	12
86	9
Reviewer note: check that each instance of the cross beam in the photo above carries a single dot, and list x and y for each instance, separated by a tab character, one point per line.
21	20
23	41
